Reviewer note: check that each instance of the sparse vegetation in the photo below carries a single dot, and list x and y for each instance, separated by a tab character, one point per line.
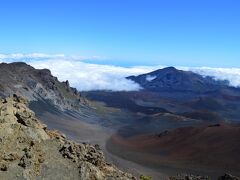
142	177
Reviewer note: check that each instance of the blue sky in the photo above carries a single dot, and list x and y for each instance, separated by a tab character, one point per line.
126	32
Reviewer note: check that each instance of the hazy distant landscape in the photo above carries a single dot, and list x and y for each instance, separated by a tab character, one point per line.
120	90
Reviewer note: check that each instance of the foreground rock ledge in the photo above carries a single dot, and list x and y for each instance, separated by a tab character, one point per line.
29	151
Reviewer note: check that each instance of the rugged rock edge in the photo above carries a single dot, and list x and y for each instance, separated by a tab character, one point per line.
30	151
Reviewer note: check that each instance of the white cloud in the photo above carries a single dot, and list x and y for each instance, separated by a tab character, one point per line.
83	76
150	78
86	76
230	74
26	57
41	56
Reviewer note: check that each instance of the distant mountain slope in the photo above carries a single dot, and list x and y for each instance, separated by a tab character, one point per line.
35	84
171	79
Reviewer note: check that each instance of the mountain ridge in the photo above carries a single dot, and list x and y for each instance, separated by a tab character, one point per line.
38	84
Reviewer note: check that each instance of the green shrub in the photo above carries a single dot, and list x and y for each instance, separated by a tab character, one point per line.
142	177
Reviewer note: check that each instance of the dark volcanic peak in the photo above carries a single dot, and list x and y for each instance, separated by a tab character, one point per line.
170	68
172	79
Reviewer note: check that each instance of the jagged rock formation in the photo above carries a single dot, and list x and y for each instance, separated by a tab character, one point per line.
22	79
30	151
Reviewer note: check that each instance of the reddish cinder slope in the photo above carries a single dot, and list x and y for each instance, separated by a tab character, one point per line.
214	147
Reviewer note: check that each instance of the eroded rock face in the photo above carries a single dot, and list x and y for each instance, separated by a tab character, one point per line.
30	151
38	84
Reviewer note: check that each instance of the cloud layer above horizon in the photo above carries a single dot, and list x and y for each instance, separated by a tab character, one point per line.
85	76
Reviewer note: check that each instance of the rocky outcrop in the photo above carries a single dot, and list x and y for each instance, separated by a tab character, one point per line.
30	151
